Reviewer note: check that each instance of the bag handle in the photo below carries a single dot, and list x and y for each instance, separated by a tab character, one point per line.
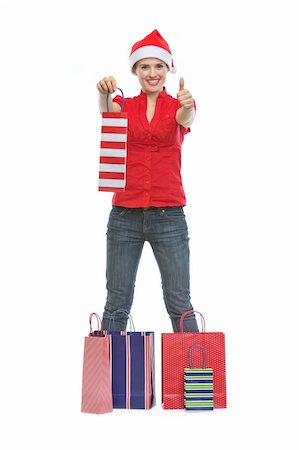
190	356
122	103
120	310
98	321
203	325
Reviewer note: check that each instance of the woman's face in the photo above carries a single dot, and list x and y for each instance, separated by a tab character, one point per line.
151	73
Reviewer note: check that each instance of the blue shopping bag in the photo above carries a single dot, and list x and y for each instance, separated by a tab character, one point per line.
132	358
132	365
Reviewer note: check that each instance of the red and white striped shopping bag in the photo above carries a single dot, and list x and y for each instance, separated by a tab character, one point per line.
113	150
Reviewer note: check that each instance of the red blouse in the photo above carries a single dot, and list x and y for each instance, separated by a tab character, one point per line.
153	154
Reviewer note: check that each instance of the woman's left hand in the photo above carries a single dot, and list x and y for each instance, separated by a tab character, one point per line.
184	96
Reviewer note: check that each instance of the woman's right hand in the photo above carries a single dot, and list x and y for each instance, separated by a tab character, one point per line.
106	86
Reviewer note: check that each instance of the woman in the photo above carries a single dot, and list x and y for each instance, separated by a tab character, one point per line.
151	207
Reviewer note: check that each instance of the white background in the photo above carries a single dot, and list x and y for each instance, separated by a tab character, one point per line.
240	169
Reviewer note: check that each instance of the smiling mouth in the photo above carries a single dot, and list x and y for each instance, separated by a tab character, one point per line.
153	82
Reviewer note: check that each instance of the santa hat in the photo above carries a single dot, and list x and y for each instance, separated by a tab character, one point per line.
152	46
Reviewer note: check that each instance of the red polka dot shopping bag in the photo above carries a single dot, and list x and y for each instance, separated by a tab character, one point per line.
175	350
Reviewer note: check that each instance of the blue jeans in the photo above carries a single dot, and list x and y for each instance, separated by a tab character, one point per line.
166	231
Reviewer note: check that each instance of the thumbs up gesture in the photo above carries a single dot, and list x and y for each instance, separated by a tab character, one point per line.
184	96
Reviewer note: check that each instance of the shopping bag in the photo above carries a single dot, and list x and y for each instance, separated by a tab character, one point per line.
133	368
198	383
96	381
175	359
113	150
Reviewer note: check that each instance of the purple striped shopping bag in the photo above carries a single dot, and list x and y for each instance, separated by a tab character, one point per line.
96	380
113	150
133	369
132	356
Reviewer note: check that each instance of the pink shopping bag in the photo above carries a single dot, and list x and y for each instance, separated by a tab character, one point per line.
96	380
113	150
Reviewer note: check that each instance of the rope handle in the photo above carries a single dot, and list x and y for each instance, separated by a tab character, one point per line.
190	356
122	102
98	321
114	314
203	325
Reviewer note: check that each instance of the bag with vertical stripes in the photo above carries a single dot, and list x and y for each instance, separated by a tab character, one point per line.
175	359
133	367
96	380
198	383
113	150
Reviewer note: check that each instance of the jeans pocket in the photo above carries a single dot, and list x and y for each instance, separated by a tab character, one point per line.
118	211
173	213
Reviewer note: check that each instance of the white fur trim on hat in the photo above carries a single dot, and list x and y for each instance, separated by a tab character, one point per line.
151	51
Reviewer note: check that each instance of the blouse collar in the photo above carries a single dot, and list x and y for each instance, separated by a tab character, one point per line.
163	93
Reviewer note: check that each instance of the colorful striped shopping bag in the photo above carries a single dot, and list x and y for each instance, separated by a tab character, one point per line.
113	150
96	381
198	383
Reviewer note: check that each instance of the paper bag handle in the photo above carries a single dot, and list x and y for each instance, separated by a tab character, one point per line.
120	310
203	325
122	103
98	321
190	356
